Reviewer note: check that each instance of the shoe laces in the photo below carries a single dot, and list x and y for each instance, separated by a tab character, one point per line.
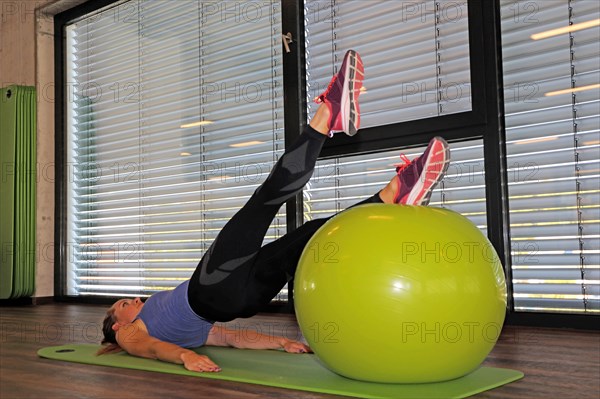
321	98
405	163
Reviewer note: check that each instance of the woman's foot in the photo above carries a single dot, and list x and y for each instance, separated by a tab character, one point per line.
415	180
341	96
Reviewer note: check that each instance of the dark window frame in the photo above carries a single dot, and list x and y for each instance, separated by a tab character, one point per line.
485	121
454	127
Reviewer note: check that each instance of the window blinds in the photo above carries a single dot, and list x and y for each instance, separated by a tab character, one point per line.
416	55
158	162
176	116
341	182
553	154
417	65
552	143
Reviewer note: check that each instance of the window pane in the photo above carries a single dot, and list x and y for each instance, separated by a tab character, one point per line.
552	148
162	98
341	182
416	55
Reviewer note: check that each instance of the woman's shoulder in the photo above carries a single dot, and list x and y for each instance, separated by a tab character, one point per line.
139	324
132	331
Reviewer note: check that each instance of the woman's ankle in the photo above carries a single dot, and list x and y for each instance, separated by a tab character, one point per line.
388	193
320	122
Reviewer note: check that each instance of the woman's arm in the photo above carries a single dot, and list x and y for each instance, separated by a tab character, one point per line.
136	341
249	339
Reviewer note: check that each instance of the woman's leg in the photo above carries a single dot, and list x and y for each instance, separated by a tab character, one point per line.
277	261
238	243
243	235
217	287
268	269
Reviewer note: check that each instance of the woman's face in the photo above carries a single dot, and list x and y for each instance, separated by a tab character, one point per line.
126	310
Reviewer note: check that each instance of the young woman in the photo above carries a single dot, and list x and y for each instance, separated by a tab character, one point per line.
237	276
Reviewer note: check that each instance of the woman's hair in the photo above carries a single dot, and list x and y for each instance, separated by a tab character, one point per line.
109	342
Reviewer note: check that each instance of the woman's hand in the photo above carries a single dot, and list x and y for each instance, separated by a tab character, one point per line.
295	347
195	362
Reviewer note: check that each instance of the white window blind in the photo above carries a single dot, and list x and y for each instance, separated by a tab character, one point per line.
341	182
552	143
553	154
416	55
176	116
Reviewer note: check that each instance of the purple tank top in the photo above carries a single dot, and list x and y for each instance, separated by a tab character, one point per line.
169	317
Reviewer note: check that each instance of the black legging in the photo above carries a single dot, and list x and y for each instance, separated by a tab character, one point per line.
237	276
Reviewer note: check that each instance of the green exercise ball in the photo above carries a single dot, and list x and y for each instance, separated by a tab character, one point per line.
400	294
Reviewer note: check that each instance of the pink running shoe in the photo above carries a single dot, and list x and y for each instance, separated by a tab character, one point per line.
342	94
417	179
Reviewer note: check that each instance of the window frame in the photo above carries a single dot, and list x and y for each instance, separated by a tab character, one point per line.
485	121
461	126
456	126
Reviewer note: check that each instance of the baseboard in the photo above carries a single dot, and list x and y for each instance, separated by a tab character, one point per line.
43	300
16	302
554	320
28	301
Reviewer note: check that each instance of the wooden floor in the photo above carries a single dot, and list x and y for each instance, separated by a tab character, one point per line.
557	363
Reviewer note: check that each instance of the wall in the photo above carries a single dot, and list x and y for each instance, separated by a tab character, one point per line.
44	59
17	38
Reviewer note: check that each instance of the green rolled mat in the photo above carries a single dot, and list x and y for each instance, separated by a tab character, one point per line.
279	369
18	191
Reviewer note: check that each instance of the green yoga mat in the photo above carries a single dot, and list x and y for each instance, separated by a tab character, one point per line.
285	370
